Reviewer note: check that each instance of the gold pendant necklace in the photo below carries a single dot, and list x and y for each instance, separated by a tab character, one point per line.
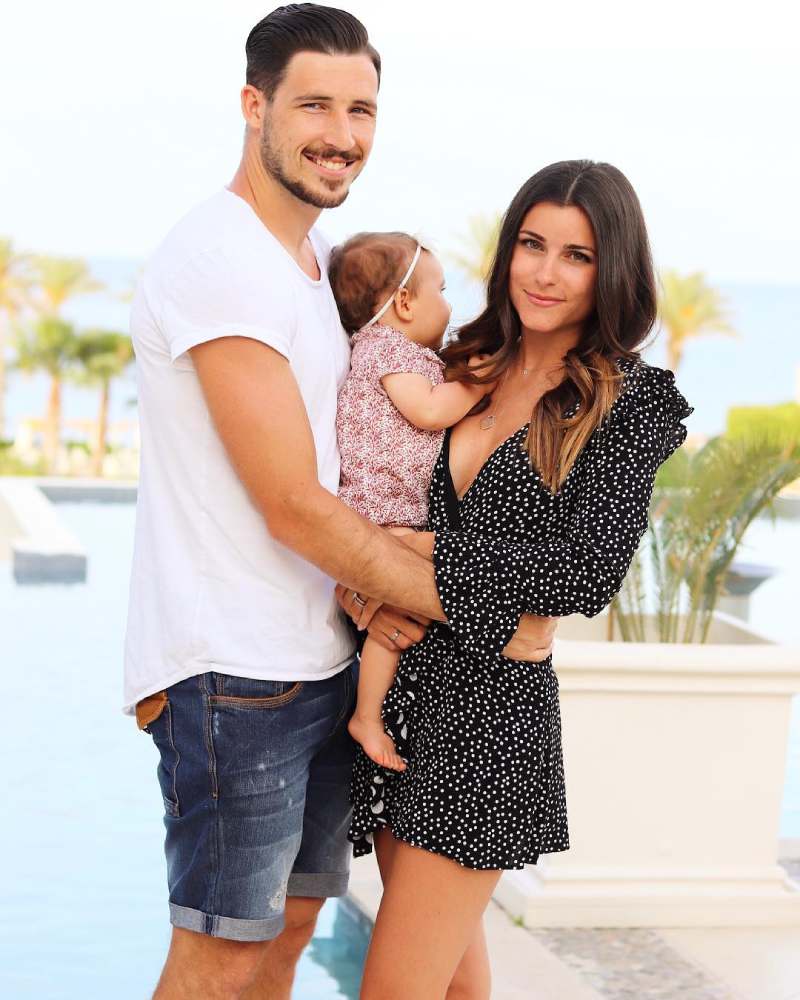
488	422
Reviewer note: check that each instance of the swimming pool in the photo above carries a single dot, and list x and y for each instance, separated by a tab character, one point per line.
84	909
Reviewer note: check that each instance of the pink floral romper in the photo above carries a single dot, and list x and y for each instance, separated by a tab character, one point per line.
387	462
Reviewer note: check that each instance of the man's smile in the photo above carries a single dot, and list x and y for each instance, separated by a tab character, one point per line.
333	166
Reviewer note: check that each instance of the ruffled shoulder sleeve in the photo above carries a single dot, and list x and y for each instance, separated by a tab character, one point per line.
650	399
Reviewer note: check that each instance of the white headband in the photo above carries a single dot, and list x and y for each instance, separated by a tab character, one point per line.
402	284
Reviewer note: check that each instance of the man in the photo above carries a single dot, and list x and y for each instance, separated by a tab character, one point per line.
238	661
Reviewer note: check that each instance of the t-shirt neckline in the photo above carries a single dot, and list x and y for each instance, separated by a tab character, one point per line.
314	282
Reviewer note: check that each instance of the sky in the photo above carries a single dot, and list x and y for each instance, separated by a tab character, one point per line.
115	119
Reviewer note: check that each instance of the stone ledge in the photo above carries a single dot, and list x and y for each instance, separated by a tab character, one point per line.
61	490
42	548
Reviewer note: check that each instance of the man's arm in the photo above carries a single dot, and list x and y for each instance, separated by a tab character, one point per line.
259	414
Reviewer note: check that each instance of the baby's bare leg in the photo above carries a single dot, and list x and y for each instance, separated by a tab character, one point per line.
378	666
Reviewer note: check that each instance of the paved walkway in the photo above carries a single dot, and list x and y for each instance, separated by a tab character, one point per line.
730	963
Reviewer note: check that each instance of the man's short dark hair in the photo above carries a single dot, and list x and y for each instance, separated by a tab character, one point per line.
302	27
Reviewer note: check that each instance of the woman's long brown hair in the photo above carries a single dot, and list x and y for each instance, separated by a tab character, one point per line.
624	313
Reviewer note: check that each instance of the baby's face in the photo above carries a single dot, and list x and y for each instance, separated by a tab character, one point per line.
431	308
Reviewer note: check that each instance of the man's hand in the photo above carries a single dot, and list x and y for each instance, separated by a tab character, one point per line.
390	627
359	609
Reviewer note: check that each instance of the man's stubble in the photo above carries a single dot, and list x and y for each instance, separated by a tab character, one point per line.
271	161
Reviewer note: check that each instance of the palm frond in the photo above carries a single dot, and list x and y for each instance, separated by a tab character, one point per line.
478	247
704	503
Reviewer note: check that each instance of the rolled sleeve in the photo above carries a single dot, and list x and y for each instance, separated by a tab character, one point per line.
210	299
481	608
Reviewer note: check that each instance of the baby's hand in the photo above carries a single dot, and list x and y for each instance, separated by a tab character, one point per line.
475	361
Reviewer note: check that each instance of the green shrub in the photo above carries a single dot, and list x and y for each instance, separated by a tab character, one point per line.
11	465
78	446
779	423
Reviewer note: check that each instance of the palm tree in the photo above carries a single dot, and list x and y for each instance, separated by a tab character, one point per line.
58	279
49	345
689	307
14	289
51	341
480	245
103	355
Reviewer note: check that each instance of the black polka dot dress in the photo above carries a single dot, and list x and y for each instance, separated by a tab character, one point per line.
481	733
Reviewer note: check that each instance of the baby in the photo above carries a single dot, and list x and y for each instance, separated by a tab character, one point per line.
392	413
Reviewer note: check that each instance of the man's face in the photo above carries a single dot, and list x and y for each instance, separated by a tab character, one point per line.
319	126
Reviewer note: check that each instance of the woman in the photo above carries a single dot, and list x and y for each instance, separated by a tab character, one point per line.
537	505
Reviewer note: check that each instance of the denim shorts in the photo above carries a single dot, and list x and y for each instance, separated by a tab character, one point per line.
255	777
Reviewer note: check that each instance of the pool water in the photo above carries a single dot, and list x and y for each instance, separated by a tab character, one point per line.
84	910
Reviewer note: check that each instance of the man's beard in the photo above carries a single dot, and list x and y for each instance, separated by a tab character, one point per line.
271	162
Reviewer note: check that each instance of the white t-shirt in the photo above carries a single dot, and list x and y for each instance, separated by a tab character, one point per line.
210	588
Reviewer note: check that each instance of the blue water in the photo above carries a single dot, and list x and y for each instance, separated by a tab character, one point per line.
84	909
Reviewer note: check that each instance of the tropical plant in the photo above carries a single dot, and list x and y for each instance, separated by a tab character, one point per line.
689	307
704	503
479	246
12	465
780	422
58	279
103	355
15	281
49	345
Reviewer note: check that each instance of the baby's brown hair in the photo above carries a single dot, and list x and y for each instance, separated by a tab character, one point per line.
365	270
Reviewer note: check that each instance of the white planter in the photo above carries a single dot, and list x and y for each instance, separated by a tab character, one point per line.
674	758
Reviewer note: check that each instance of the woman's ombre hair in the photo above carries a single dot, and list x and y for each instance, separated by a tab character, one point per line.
623	316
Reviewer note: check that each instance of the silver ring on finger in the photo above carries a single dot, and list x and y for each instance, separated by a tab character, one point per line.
395	635
356	599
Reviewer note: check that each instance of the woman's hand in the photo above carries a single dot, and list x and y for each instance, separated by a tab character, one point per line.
533	640
396	630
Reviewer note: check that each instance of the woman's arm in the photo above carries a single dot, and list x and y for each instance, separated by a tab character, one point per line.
533	637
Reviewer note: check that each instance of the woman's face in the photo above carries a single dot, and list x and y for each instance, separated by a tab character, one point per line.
553	270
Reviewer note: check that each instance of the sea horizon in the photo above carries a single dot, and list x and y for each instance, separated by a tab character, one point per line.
759	367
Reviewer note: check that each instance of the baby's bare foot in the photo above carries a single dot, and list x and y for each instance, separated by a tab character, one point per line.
377	745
